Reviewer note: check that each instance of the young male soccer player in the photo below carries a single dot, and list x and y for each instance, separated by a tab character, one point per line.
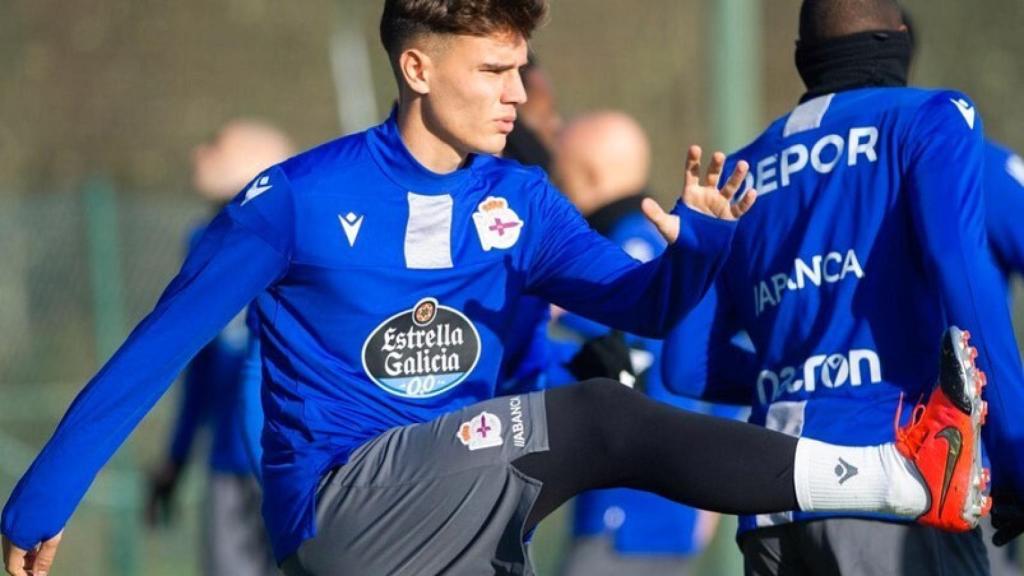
869	237
382	265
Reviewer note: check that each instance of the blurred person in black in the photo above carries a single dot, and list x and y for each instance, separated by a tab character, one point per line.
233	540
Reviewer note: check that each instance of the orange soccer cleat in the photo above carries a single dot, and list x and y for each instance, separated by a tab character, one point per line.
943	439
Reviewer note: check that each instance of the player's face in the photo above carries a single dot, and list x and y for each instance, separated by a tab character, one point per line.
474	90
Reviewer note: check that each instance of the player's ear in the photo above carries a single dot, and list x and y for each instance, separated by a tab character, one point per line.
414	66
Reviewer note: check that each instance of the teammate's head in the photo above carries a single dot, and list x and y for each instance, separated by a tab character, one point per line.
827	19
457	65
600	158
235	155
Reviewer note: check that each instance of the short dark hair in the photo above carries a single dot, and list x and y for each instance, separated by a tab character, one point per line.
405	19
826	19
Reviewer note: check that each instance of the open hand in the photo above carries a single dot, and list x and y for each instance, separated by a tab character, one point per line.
705	197
35	562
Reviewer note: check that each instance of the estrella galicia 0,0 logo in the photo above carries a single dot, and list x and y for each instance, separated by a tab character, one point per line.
422	352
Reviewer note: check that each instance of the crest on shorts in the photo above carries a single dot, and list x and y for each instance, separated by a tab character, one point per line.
482	431
497	225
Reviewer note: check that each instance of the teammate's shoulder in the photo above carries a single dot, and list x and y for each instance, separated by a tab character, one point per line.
943	109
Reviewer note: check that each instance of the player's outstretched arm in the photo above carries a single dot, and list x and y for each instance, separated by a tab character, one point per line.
704	196
581	271
236	260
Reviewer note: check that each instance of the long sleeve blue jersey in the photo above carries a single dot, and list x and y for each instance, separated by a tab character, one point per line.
211	389
867	240
384	293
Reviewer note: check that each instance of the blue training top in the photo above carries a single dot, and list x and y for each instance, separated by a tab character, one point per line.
384	293
867	241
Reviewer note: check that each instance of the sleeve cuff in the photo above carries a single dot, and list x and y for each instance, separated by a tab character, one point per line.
702	233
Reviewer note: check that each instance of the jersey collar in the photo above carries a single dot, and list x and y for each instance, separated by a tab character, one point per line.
388	149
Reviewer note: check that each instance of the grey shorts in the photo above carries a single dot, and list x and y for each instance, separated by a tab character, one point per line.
857	547
441	497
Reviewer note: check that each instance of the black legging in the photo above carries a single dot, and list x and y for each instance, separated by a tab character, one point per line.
602	435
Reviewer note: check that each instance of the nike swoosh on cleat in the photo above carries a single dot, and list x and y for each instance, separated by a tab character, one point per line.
955	440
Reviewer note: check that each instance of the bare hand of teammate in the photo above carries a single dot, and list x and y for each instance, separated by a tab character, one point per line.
704	197
36	562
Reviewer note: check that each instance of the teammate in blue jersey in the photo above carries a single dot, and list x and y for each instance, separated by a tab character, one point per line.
602	165
382	265
868	239
234	540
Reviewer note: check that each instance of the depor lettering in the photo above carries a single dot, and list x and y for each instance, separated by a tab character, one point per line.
776	171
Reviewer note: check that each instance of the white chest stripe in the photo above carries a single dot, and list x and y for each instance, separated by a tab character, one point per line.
428	233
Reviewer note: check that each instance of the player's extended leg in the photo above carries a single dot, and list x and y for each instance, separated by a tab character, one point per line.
602	434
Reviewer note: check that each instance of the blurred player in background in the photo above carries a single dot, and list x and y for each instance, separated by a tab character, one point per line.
234	541
602	164
384	267
869	238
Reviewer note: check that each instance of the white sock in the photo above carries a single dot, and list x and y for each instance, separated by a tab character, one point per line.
830	478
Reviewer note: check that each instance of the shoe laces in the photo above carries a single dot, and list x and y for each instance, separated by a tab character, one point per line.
912	435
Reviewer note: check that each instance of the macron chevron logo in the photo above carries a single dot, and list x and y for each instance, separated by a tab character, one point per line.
351	224
966	110
258	187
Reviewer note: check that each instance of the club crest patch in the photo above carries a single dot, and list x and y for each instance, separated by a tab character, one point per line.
497	225
482	431
423	351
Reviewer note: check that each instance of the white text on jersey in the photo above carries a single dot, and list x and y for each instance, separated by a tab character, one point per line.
828	268
834	370
776	171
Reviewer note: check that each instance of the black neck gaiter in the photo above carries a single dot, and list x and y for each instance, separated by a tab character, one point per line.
855	61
